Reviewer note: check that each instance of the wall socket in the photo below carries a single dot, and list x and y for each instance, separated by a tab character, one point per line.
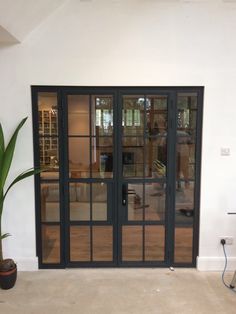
228	240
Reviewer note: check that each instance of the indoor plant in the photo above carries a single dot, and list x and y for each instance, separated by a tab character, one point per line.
8	269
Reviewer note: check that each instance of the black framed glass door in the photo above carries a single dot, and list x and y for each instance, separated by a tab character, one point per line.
121	185
143	177
90	176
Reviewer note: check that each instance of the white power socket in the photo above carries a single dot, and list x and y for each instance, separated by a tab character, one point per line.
228	240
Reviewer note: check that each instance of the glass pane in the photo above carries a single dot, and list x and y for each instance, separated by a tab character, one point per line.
156	157
154	243
102	115
79	157
80	201
132	243
185	150
78	114
80	244
50	244
99	201
132	160
134	196
155	201
131	141
48	113
183	245
133	115
184	203
49	157
156	114
102	243
186	134
102	157
187	111
50	202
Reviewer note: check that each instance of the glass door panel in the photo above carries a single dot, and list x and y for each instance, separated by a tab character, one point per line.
80	244
103	243
143	177
48	135
132	243
79	157
78	115
154	243
90	165
185	176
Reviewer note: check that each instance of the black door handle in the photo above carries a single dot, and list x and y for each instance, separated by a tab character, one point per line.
124	194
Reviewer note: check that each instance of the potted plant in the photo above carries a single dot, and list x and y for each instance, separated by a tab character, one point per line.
8	268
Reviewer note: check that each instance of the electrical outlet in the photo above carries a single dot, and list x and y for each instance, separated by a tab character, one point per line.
228	240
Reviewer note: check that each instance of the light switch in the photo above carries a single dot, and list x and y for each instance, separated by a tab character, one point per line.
225	151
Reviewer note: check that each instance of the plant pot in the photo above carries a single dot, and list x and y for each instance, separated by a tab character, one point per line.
8	278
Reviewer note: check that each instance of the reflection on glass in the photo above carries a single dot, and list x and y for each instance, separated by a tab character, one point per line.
134	197
132	243
184	202
102	243
133	115
79	157
48	131
50	244
102	115
187	111
47	114
131	141
79	201
154	201
80	244
186	133
50	202
99	201
156	114
78	114
154	243
132	160
102	157
49	157
185	150
183	245
156	157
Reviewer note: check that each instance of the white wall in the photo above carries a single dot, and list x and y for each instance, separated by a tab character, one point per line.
131	43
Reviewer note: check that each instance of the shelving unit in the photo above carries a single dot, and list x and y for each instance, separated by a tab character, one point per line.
48	140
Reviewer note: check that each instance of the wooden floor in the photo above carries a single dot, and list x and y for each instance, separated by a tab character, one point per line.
139	243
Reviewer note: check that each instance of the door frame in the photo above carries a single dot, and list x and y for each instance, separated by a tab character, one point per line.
172	114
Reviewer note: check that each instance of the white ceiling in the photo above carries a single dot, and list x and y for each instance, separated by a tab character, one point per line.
19	17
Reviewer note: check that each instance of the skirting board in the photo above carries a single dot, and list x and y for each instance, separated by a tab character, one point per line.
215	263
203	263
27	264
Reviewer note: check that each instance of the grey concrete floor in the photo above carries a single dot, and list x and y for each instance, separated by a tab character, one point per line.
108	291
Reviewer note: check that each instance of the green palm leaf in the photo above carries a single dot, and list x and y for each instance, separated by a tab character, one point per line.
2	146
23	175
5	235
8	154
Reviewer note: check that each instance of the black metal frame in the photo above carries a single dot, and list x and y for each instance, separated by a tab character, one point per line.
64	181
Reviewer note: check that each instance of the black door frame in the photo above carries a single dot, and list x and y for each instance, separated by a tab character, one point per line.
64	225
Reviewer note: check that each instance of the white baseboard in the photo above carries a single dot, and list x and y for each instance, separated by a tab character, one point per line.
215	263
203	263
27	264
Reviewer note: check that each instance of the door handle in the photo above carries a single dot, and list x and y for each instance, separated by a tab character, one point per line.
124	194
